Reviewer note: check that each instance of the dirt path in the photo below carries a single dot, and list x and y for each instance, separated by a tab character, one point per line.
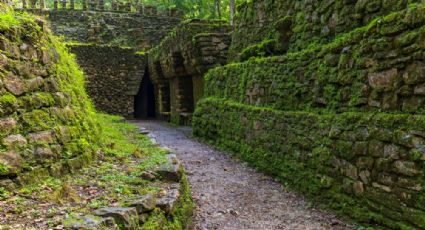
230	195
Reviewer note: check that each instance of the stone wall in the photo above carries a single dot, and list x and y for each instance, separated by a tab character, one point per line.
340	122
367	166
113	76
385	72
46	118
109	47
179	62
111	28
294	25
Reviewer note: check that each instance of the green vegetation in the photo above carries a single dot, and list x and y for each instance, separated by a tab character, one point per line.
73	159
113	177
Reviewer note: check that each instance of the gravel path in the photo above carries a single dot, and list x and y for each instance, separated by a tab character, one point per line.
230	195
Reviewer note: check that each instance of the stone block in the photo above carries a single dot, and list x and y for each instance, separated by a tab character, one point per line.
365	162
415	73
360	148
45	137
406	168
169	201
43	154
365	176
383	81
34	84
143	204
386	179
63	134
14	84
125	218
170	171
351	171
90	222
10	163
381	187
376	148
391	151
383	165
409	183
15	142
413	103
382	134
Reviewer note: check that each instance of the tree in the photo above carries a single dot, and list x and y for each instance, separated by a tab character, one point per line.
217	8
232	12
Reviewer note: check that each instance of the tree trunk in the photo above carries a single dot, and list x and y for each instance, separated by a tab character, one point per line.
217	8
232	12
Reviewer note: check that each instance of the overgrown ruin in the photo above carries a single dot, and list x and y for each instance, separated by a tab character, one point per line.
327	96
335	111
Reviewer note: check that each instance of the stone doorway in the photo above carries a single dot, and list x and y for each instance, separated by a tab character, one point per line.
144	101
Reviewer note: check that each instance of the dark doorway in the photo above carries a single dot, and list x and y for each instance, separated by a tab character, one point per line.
144	101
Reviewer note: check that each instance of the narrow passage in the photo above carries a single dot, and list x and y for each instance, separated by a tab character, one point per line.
230	195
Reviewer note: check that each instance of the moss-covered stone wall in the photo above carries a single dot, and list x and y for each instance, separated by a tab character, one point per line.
295	25
113	76
178	63
378	67
340	122
367	166
111	28
46	118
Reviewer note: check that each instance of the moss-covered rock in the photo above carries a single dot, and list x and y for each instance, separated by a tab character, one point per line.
41	88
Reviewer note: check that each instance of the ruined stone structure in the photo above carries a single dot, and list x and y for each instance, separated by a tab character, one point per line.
109	47
336	111
178	64
46	123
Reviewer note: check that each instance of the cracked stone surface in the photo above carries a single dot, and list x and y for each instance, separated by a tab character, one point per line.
230	195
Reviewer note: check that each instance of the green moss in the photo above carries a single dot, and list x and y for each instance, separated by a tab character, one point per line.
3	169
8	20
180	218
300	149
263	49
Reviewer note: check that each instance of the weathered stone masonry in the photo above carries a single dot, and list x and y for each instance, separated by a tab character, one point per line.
135	30
108	47
341	120
296	25
113	76
178	64
46	118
